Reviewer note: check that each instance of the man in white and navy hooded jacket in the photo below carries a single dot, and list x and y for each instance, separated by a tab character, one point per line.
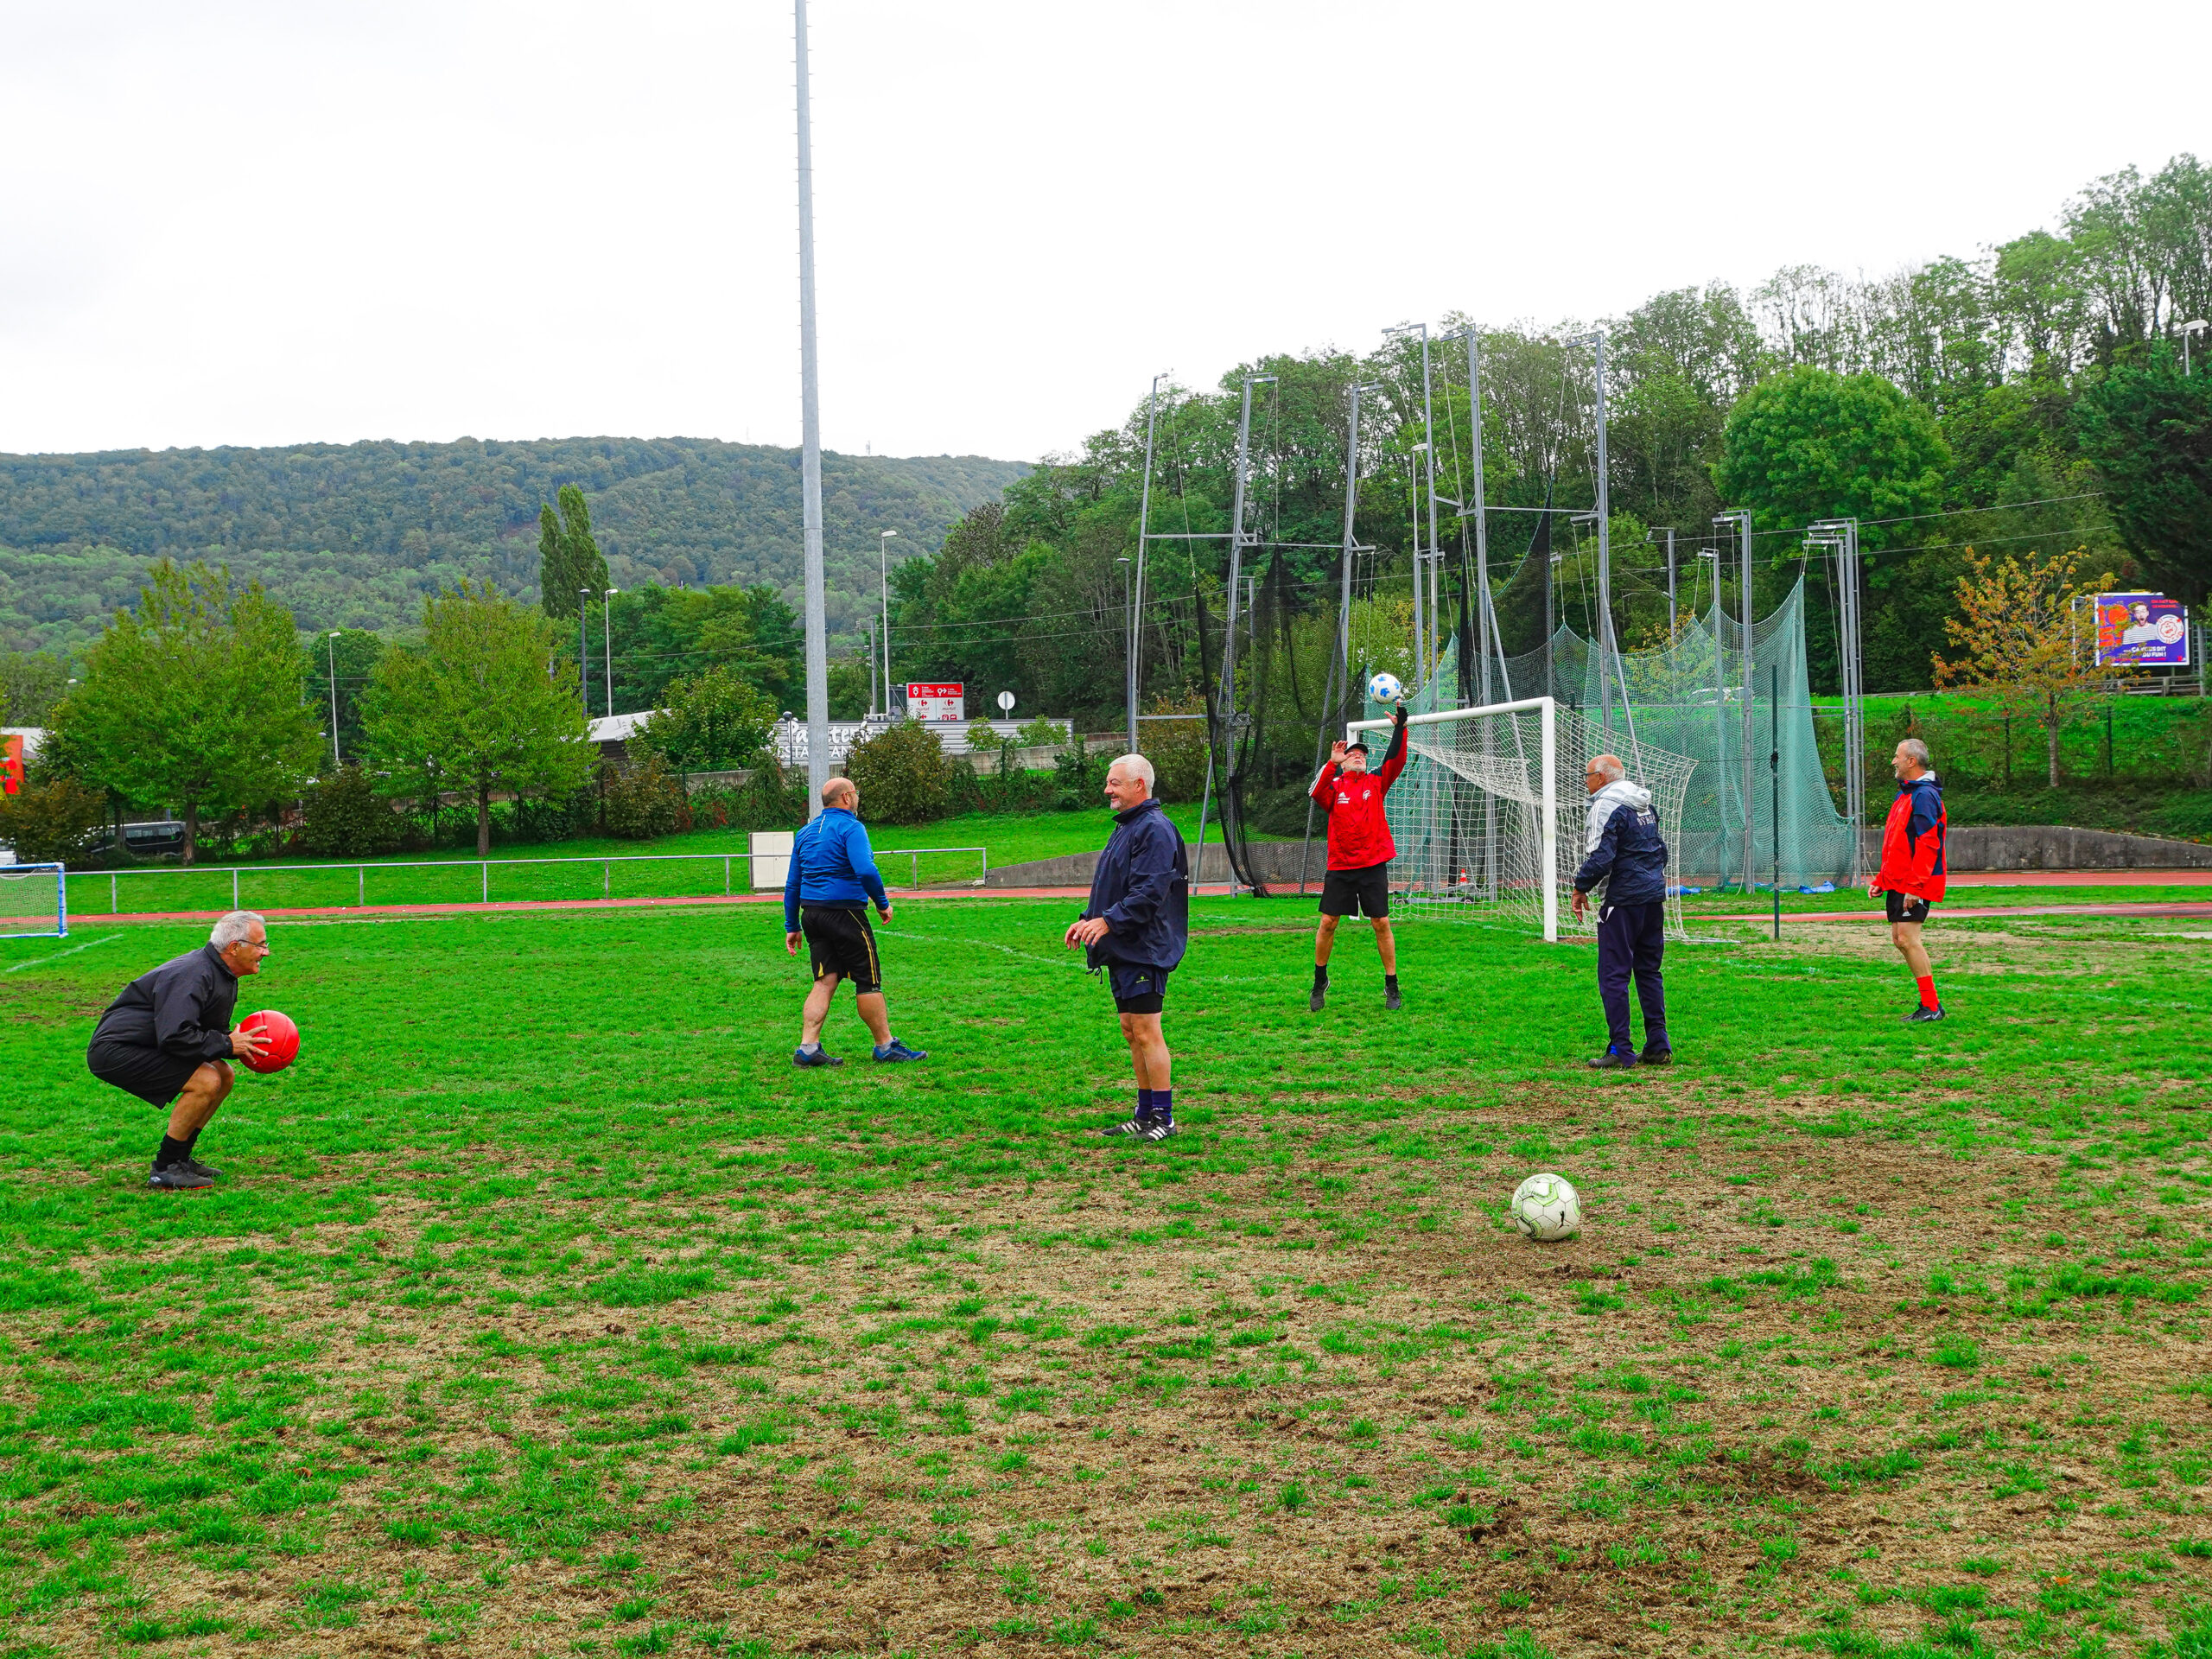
1624	849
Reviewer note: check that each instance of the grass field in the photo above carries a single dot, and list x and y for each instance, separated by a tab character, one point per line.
546	1309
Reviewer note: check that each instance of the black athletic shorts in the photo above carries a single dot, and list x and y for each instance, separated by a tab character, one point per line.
1139	988
1902	909
841	943
1358	893
156	1075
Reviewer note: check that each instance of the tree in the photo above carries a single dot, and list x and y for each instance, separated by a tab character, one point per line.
568	559
194	699
903	773
475	705
715	720
52	820
2148	430
31	683
2026	645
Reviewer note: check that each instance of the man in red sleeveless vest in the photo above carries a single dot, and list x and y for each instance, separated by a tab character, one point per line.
1911	875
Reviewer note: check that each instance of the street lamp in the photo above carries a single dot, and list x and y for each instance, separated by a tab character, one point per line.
883	563
2188	329
606	637
583	648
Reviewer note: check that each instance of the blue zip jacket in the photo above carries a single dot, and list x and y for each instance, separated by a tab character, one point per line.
1624	846
1142	887
832	867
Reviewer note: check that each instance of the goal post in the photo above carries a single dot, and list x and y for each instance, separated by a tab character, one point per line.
34	901
1487	830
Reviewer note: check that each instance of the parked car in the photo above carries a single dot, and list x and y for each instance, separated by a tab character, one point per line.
154	838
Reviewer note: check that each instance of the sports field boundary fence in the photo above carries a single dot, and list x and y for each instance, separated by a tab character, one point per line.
675	875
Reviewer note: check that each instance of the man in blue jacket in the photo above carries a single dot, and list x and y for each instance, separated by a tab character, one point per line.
827	890
1623	849
1136	927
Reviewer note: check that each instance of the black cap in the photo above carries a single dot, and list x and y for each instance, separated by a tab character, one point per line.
1361	746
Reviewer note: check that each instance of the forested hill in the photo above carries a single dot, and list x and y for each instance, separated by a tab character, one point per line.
354	535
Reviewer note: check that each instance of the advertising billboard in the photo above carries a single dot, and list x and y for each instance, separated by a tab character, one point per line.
2142	631
936	701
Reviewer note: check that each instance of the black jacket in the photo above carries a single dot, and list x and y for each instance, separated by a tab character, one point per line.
182	1008
1626	851
1142	887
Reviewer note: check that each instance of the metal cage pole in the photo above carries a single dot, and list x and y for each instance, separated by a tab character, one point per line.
1136	598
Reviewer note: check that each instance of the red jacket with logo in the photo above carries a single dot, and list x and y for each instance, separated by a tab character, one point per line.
1359	832
1912	841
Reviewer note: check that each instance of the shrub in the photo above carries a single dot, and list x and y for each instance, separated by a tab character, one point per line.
904	775
544	818
1042	732
53	821
643	799
1078	775
1177	748
343	818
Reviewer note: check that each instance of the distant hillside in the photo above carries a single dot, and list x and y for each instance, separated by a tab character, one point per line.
353	535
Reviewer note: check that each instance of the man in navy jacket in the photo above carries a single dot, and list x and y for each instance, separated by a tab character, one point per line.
1135	926
1623	849
826	889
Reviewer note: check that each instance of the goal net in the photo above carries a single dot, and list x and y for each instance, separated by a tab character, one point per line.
1489	816
33	902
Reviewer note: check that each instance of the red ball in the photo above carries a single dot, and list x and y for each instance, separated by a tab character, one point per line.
284	1044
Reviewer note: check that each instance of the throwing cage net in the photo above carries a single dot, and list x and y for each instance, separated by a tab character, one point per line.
1491	829
1759	797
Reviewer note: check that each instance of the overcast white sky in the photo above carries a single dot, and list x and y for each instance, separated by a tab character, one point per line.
258	224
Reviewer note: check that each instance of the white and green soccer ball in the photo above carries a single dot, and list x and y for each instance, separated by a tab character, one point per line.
1545	1207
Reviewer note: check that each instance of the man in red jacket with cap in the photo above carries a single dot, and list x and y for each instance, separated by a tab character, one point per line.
1912	876
1360	851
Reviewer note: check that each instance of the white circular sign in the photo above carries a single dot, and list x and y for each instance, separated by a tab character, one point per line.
2170	629
1006	702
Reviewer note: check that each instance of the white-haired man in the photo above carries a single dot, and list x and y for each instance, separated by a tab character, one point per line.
1136	926
169	1038
1623	848
1912	875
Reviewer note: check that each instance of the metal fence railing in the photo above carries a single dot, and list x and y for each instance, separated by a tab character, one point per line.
521	881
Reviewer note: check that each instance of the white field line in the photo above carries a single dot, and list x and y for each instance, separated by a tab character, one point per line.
18	967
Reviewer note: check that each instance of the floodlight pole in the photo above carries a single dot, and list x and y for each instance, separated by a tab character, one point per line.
883	572
606	641
1340	667
583	647
1226	701
330	643
817	644
1741	519
1144	520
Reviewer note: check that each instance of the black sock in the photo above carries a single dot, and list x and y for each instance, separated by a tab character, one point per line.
172	1152
1320	976
1163	1107
1391	981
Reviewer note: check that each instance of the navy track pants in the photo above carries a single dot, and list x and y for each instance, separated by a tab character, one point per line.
1631	939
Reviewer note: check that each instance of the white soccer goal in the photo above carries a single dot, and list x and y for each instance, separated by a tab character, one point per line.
1489	815
34	901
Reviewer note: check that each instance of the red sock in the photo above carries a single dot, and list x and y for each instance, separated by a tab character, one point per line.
1927	983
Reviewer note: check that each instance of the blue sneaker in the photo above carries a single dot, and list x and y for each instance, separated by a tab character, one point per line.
820	1057
898	1051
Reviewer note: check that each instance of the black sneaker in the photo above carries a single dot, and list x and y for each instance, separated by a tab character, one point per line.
1922	1011
820	1057
198	1168
177	1178
1655	1056
1319	1001
1156	1130
1133	1126
1391	1000
1613	1060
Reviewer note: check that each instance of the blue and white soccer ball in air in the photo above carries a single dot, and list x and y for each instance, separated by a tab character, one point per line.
1545	1208
1384	689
